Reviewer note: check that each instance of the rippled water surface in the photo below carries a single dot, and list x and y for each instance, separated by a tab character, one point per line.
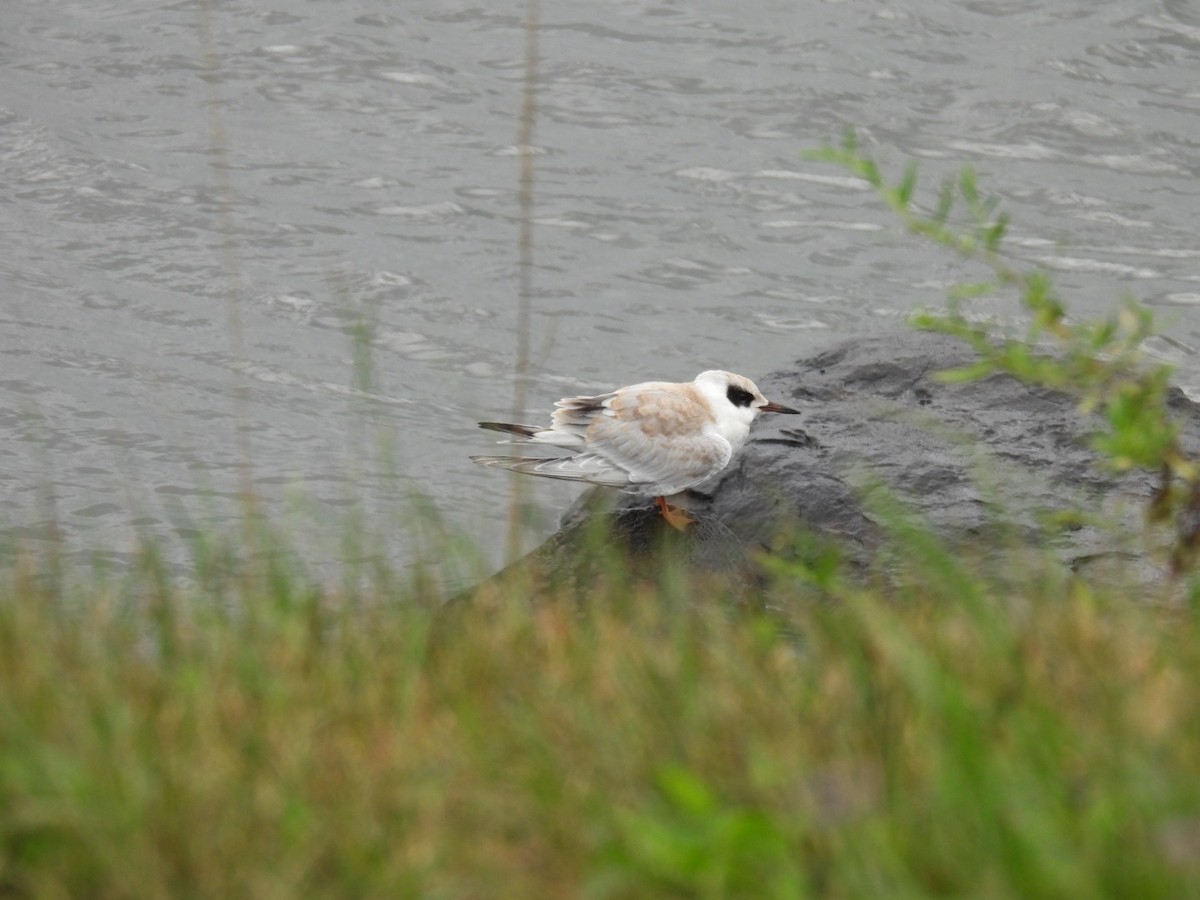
196	195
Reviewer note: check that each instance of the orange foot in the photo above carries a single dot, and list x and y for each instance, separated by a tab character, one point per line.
677	517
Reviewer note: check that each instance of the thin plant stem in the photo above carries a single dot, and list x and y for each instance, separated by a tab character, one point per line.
525	134
219	142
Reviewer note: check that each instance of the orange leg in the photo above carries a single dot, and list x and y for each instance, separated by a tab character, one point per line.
677	517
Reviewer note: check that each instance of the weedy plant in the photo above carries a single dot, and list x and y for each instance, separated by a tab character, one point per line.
1099	362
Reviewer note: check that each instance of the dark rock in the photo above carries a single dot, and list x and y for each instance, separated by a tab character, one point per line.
973	460
628	544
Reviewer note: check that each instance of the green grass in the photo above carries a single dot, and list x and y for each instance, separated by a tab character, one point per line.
963	730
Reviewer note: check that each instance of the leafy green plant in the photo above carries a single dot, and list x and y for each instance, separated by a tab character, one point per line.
1099	362
686	842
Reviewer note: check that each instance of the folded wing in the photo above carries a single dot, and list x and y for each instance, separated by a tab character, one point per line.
661	435
653	436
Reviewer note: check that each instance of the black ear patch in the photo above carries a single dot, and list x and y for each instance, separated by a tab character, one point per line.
738	396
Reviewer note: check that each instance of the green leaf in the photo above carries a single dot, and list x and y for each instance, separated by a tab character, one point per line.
945	202
907	184
973	372
995	233
967	185
969	289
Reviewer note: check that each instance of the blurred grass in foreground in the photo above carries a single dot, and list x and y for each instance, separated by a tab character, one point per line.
971	729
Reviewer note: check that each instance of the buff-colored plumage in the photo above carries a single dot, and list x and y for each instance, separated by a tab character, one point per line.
656	438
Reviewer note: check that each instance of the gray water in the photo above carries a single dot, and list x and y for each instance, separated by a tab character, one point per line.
195	195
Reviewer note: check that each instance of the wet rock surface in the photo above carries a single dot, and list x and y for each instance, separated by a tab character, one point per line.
973	460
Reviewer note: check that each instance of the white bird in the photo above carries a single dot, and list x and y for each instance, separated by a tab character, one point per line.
654	439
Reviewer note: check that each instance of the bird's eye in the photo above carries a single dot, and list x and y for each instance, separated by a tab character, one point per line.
738	396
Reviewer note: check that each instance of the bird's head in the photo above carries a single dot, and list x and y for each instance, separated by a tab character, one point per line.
735	400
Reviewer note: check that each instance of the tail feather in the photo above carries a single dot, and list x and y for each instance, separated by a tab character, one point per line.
568	439
525	431
591	469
